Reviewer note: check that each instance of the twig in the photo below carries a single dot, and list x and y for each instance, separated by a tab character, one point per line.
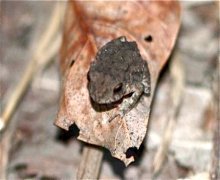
90	164
176	94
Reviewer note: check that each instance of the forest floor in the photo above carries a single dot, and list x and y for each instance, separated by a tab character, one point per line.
38	149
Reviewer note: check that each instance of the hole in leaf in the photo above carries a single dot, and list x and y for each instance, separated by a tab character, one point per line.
131	152
148	38
64	136
136	153
72	62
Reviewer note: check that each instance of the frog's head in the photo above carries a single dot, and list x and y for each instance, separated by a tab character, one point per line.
103	88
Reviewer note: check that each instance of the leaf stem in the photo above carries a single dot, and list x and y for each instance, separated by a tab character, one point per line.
90	164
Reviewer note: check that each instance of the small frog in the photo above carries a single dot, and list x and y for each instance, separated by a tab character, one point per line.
119	74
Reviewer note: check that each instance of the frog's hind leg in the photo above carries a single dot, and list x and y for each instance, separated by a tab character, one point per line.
128	103
147	86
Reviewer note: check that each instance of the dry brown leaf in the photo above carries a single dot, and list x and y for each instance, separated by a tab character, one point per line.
89	25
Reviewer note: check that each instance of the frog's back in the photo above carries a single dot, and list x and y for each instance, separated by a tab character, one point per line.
121	60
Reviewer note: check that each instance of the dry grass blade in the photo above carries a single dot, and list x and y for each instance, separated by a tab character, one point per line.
176	94
42	56
5	147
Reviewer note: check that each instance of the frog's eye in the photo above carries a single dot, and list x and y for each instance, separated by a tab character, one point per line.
118	88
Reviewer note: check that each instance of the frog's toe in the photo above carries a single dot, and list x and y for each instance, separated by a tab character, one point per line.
147	90
122	112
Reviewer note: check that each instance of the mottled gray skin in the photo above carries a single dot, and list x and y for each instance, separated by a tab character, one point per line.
117	71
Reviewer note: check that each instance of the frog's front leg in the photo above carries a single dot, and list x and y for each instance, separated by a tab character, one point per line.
128	103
